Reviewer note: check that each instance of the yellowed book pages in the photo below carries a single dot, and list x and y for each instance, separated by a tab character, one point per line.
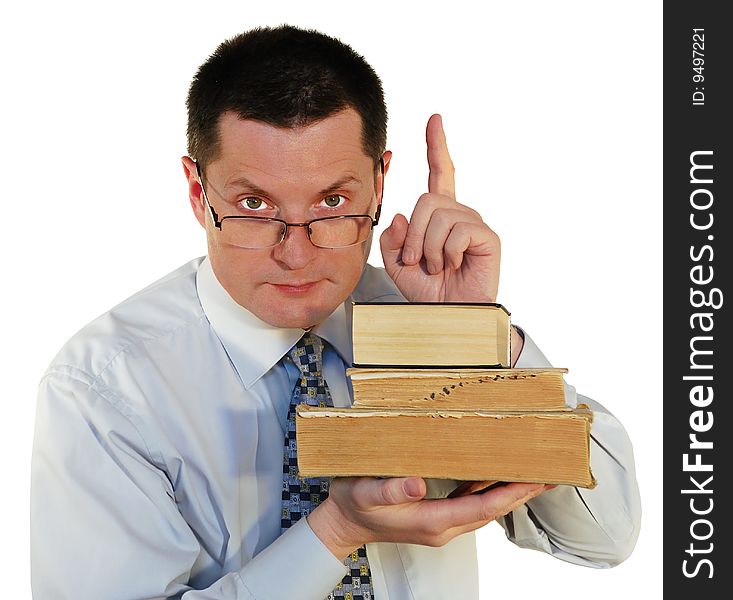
431	334
543	447
490	389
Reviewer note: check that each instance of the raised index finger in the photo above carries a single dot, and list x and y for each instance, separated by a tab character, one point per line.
441	179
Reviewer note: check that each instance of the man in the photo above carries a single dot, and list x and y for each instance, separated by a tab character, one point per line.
158	455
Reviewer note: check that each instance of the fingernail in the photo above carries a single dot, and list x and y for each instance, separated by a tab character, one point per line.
412	488
408	256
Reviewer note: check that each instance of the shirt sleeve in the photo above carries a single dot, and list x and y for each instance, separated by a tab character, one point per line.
104	520
595	527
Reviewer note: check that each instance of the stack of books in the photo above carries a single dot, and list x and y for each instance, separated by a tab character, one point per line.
435	396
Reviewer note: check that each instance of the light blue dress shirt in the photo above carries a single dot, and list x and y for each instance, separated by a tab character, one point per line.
157	463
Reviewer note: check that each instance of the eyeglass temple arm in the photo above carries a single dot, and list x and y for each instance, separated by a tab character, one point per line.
375	220
214	216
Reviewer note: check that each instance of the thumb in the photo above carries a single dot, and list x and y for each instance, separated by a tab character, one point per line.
400	490
392	240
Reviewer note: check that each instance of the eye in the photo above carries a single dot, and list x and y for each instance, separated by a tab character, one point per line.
253	203
334	200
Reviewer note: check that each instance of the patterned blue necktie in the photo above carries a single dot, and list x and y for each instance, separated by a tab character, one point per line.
301	495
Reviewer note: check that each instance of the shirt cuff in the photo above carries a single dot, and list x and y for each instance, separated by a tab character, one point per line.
295	562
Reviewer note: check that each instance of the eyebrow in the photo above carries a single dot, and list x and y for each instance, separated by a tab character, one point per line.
242	181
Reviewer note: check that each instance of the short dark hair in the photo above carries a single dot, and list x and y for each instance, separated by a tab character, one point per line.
287	77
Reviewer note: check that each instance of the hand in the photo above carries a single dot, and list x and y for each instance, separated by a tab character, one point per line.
361	510
445	253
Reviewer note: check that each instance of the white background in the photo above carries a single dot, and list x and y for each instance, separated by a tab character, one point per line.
553	114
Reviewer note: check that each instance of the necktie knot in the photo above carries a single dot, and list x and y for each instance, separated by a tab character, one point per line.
311	388
307	355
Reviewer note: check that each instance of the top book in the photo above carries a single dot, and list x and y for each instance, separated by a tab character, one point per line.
431	334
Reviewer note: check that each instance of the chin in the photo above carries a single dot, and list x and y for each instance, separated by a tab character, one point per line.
302	317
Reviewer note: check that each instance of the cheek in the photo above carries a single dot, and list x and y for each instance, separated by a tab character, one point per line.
236	269
349	265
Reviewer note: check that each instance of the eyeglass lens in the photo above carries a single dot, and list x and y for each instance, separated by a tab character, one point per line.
328	233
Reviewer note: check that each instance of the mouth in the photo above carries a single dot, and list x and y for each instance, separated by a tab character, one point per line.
295	288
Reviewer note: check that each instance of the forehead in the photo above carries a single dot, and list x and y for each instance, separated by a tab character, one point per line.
326	147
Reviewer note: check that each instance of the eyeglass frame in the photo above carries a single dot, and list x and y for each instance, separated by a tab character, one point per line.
307	224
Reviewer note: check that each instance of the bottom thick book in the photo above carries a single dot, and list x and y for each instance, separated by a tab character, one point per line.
467	445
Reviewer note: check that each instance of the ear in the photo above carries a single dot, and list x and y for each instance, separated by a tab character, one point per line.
195	193
386	158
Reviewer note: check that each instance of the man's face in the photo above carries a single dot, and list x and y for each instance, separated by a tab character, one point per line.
295	175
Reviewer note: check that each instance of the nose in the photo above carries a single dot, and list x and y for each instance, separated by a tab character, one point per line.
296	251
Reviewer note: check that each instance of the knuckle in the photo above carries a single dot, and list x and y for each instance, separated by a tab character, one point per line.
472	215
388	493
434	531
426	198
433	250
443	216
414	236
440	539
462	228
476	214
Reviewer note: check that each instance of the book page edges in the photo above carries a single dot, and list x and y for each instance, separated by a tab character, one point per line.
381	336
374	372
582	413
306	411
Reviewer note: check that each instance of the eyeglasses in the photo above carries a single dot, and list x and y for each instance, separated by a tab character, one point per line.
264	232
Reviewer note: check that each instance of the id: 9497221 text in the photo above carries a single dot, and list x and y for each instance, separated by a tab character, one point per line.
698	67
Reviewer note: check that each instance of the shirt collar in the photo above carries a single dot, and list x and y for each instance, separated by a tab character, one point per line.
254	346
